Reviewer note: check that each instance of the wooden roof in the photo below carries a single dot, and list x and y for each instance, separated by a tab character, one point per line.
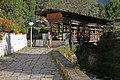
73	16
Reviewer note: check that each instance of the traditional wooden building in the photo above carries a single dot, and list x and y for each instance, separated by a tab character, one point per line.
79	27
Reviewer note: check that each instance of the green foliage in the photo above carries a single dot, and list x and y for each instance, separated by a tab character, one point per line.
30	7
85	7
83	53
107	57
41	4
23	30
102	13
1	12
18	11
1	37
13	9
67	53
113	9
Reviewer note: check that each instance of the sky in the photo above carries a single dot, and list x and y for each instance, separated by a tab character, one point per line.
103	1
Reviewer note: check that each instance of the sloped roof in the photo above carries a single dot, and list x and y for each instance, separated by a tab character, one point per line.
73	16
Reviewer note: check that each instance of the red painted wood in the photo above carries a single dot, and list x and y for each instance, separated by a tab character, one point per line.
54	15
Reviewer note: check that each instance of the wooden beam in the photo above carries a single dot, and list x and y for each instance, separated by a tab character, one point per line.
74	22
91	24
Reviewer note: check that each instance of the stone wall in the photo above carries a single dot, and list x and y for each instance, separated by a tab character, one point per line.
66	68
12	42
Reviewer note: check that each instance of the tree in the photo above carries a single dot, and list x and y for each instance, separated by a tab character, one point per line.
30	7
13	9
85	7
18	11
113	9
41	4
102	13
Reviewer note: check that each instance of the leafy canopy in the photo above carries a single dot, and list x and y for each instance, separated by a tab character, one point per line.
85	7
113	9
18	11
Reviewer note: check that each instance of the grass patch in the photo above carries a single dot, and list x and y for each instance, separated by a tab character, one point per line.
5	58
67	53
23	49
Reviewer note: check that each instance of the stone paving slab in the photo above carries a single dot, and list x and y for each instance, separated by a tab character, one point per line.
29	64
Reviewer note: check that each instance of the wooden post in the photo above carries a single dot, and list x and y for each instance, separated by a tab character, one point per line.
51	28
78	31
62	30
58	29
84	33
70	38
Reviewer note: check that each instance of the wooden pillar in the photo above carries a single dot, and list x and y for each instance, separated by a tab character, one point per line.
66	28
70	37
51	24
62	30
58	29
95	33
78	31
63	27
89	33
84	33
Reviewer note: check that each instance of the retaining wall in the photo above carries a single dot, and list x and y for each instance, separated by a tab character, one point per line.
67	69
12	42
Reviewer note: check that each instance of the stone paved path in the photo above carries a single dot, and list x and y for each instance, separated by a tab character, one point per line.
30	64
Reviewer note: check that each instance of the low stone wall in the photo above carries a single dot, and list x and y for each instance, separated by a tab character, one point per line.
12	42
67	69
